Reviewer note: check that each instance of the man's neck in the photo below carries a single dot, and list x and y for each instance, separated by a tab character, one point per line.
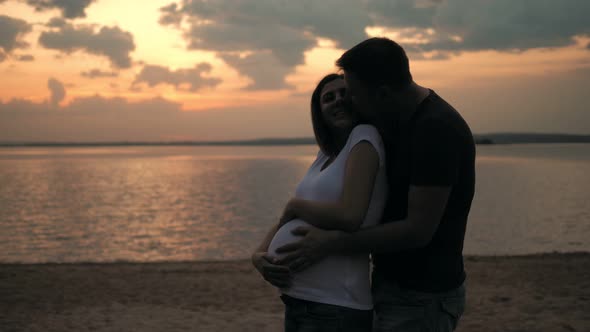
408	99
415	94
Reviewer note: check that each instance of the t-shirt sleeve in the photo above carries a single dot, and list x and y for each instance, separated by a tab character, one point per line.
434	156
369	134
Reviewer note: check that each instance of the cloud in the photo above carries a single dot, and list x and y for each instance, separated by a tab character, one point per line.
403	13
2	56
530	104
97	118
265	70
11	32
510	25
93	118
56	22
474	25
153	75
282	30
57	90
111	42
25	58
286	44
97	73
170	15
22	107
98	104
69	8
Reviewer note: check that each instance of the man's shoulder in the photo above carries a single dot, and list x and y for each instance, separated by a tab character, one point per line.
434	107
438	114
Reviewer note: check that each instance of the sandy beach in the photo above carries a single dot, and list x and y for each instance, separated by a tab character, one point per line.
548	292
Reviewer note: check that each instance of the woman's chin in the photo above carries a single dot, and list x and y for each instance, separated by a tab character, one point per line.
344	124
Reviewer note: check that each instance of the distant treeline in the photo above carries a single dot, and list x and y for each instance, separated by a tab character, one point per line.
520	138
501	138
266	141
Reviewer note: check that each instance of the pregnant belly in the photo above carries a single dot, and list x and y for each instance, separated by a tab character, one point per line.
283	236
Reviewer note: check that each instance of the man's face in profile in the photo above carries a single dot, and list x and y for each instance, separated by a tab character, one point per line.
359	96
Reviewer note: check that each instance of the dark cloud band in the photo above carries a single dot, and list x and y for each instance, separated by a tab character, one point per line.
284	30
97	73
111	42
153	75
11	32
69	8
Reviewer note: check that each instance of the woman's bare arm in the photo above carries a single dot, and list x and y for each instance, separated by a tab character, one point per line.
349	211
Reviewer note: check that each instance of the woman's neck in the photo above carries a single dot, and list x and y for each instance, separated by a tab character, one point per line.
340	137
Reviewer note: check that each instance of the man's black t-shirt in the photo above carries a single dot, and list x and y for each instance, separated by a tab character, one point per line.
432	147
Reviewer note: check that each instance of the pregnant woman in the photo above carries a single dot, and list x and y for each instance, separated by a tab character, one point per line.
345	188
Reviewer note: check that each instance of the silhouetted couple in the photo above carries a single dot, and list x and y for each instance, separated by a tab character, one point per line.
394	179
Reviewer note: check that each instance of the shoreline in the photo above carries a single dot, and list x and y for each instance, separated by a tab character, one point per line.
242	260
540	292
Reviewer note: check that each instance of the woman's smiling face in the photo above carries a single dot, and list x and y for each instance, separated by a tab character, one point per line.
336	111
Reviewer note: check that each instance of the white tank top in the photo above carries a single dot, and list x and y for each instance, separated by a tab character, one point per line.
338	280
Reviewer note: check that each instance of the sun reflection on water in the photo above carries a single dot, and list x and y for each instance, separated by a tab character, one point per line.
188	203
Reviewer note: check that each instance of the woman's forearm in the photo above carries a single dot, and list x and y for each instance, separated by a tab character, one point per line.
327	215
349	211
426	207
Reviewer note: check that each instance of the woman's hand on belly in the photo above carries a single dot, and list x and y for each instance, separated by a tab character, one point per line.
277	275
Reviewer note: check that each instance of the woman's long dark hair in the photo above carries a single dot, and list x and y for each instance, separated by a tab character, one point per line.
321	130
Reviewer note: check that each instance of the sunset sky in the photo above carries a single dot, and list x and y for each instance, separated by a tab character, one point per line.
159	70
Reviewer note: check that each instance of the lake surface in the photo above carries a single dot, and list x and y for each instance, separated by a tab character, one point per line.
167	203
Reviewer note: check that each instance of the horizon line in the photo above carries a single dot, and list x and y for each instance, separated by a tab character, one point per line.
482	138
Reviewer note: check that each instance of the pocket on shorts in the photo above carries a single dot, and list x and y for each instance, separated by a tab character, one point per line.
453	309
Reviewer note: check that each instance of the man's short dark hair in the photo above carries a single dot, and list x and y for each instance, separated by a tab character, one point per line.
378	61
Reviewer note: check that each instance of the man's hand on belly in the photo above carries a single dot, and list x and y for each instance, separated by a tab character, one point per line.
314	245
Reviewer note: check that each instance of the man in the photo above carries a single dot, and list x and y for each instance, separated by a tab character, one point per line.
418	275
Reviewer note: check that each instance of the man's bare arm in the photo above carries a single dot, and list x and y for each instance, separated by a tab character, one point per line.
426	206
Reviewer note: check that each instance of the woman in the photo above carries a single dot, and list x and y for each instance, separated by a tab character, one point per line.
344	188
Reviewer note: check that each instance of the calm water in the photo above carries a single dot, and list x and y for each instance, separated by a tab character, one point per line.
207	203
